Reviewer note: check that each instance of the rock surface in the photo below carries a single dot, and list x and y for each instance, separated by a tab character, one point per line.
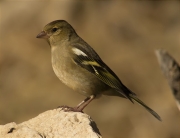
53	124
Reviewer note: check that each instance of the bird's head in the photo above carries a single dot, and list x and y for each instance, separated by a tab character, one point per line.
56	31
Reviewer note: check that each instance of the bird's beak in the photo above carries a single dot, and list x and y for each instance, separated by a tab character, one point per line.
42	34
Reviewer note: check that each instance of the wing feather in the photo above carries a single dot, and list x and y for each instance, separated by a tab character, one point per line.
101	71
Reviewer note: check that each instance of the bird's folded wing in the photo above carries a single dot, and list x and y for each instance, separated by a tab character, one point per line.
99	69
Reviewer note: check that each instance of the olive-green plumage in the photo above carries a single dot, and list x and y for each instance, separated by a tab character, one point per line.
78	66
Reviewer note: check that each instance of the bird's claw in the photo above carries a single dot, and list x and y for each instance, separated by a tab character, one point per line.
66	108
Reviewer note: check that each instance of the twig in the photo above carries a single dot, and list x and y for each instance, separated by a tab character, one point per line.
171	70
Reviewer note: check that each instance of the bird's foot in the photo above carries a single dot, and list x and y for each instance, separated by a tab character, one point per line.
69	109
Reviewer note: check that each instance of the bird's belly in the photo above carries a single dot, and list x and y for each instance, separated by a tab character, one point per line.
79	79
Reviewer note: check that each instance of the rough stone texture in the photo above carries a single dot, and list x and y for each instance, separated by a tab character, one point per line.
53	124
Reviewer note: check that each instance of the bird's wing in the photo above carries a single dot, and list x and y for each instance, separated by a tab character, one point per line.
99	69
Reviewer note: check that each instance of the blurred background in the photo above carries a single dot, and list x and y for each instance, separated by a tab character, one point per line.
124	34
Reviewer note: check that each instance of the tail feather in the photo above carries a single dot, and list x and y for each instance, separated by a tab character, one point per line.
127	93
146	107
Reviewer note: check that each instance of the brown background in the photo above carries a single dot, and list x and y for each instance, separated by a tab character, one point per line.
124	34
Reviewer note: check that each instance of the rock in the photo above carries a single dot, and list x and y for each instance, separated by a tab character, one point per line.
53	124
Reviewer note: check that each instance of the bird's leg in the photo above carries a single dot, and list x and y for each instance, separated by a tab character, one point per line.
84	103
80	106
67	108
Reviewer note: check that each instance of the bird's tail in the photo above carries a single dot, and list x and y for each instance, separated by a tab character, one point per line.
134	98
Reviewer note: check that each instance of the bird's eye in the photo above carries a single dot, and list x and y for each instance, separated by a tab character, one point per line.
54	30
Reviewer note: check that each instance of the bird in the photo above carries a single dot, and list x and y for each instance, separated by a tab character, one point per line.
78	66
